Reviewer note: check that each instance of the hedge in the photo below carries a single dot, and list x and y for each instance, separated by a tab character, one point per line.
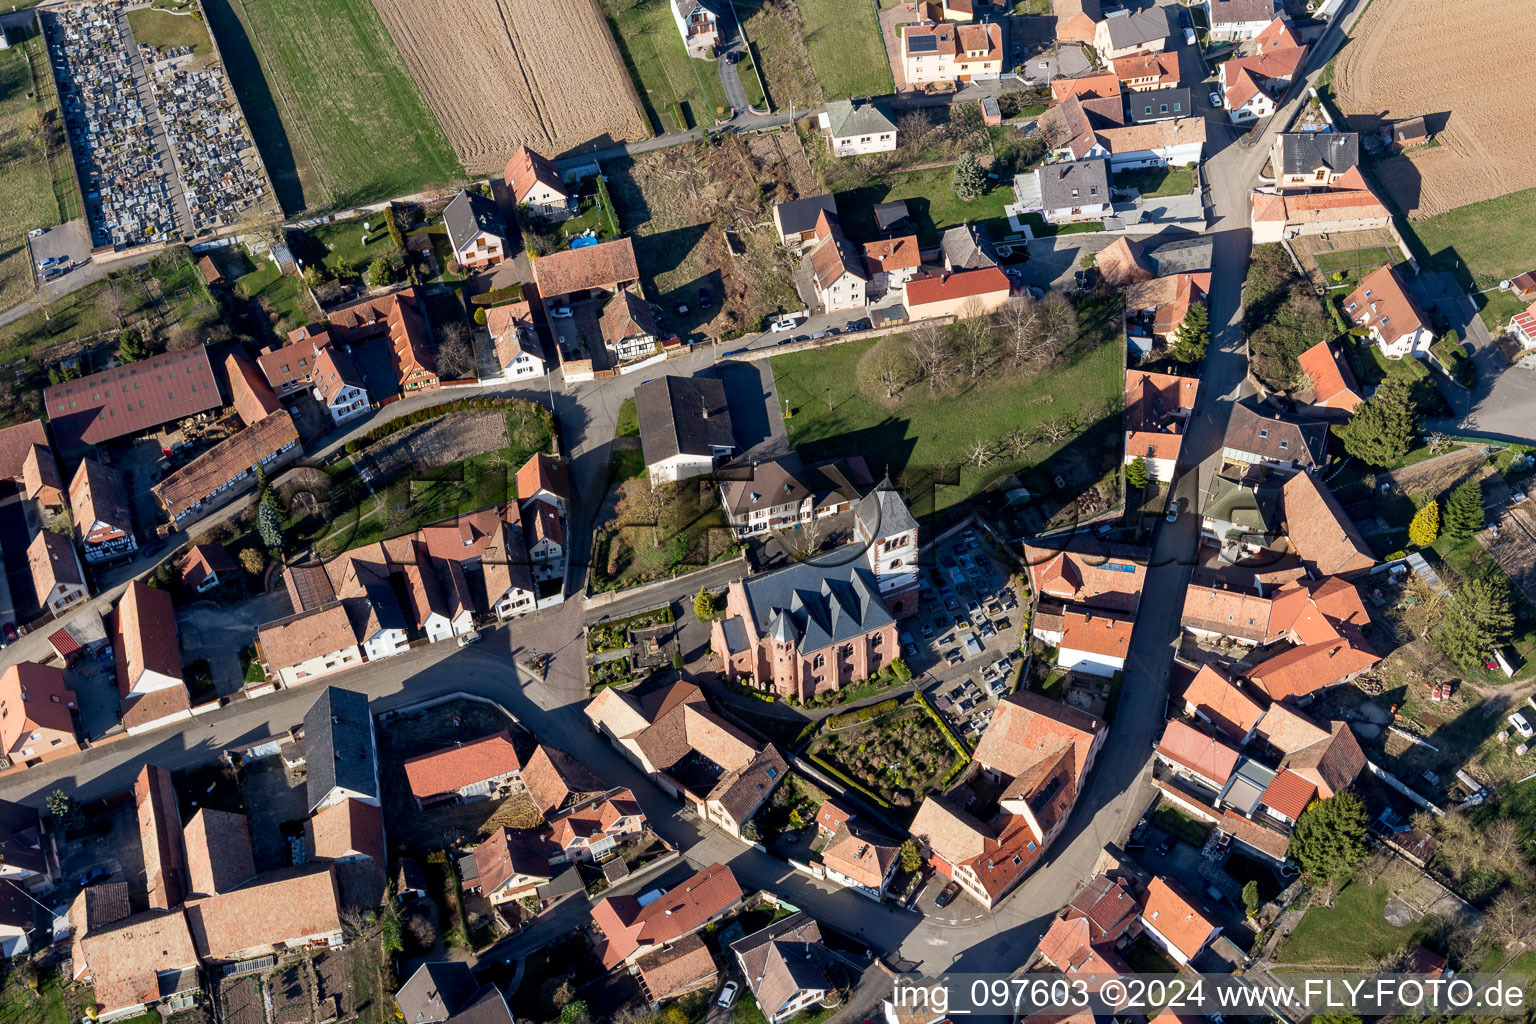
762	695
954	741
498	296
885	707
851	783
433	412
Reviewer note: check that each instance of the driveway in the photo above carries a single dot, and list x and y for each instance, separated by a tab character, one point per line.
1499	406
730	42
1053	261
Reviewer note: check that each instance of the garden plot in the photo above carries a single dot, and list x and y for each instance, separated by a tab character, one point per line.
900	756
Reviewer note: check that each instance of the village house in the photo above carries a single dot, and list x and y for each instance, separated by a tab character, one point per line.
36	720
628	327
309	644
292	908
949	53
783	493
1147	72
1088	572
594	830
1381	304
339	749
40	478
476	233
1251	86
1348	205
130	399
484	768
57	577
890	264
16	442
796	220
511	865
685	426
856	127
1237	20
1522	327
788	968
858	859
683	967
228	468
205	566
1125	262
1193	754
536	186
154	799
967	247
690	752
1157	308
1038	752
699	26
1214	698
1084	937
1158	407
631	929
963	292
1105	84
346	832
395	317
1077	190
251	395
445	992
594	272
98	501
1172	917
1087	640
132	963
519	352
149	672
834	268
1273	440
1240	515
557	782
1077	21
1332	383
1124	33
1321	534
1159	104
1313	159
339	386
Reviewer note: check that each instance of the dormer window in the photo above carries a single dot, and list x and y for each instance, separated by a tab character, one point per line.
1367	293
1285	444
1263	433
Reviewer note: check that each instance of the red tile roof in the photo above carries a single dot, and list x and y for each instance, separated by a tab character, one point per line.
1310	667
126	959
1289	793
543	473
203	561
40	473
202	478
347	828
1333	382
1218	700
958	285
51	557
446	771
525	168
505	855
1176	915
250	393
1321	534
1087	87
15	442
893	254
146	624
608	265
33	697
1088	573
98	500
1381	301
159	836
831	816
1096	632
1205	755
627	926
131	399
275	907
218	851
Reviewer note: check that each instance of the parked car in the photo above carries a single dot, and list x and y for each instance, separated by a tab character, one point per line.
783	324
947	895
50	261
732	353
681	307
728	994
8	632
1215	98
1517	719
1166	846
1173	510
704	300
561	312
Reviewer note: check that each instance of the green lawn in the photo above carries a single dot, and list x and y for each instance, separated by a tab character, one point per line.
19	1005
746	70
1353	264
337	116
346	241
843	39
27	194
1350	932
1483	243
1156	183
285	295
1181	826
164	30
628	424
664	74
1469	558
931	203
928	439
778	49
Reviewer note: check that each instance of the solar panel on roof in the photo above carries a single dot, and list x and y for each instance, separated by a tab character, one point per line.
922	44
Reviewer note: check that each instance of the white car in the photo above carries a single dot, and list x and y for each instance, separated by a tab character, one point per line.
788	323
561	312
1521	725
727	994
1173	510
1215	98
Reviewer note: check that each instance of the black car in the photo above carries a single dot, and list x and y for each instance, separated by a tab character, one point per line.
1166	846
704	300
947	895
8	631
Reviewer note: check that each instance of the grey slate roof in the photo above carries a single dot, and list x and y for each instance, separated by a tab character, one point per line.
847	118
1305	152
967	247
799	215
21	837
1190	255
1159	105
889	215
819	605
1090	179
1135	28
883	512
1234	12
1276	437
470	213
436	992
338	744
682	416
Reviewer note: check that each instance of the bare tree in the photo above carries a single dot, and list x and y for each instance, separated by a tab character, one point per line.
975	338
115	303
455	354
1326	891
980	452
1438	443
1508	917
929	349
808	538
1059	322
182	337
643	504
885	369
1055	430
1018	441
1503	849
1022	323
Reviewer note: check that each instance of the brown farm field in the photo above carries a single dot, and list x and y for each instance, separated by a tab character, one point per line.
504	73
1465	66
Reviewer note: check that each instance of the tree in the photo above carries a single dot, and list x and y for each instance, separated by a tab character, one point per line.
1330	837
885	369
312	276
131	346
263	482
704	604
750	832
1464	509
58	373
930	352
115	302
182	337
1251	898
164	577
1058	322
911	857
968	180
540	243
1136	473
1194	334
974	342
1426	524
269	526
1022	322
252	562
455	354
1383	427
63	809
1508	917
379	274
1480	619
480	315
